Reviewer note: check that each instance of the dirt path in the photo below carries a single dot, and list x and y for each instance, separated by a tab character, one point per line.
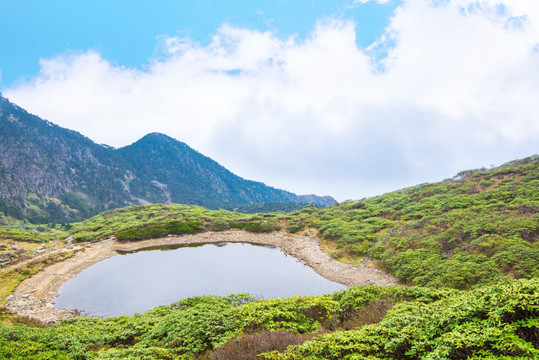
34	296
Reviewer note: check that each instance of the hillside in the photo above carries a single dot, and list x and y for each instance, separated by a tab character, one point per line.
494	322
476	228
472	239
51	174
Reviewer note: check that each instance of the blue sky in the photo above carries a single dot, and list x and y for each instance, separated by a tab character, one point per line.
343	98
127	32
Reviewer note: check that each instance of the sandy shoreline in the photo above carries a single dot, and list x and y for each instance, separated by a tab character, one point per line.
34	296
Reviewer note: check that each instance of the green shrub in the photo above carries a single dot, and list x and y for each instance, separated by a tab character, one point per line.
141	233
294	228
425	323
178	228
488	323
237	224
259	226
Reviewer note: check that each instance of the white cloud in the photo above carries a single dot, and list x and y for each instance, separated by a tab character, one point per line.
366	1
459	90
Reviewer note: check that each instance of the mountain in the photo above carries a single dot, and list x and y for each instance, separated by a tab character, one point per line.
183	175
52	174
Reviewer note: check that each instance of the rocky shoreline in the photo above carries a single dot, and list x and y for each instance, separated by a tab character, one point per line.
34	296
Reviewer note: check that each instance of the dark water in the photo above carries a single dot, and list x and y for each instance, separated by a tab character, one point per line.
137	282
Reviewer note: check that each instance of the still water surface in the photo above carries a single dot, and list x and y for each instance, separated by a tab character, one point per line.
137	282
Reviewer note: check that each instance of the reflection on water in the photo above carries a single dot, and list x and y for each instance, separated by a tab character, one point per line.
137	282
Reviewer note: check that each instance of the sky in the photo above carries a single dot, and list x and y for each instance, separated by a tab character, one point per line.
349	98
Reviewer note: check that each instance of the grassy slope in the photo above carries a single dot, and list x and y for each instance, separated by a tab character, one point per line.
498	321
460	232
478	229
495	322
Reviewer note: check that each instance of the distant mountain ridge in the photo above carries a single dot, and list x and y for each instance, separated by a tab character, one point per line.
52	174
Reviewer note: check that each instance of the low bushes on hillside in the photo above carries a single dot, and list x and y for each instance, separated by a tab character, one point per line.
497	322
492	322
156	230
475	229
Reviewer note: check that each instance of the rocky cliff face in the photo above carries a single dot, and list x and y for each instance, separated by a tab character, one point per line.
52	174
48	172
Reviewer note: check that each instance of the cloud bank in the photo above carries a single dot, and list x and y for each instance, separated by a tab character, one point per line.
451	85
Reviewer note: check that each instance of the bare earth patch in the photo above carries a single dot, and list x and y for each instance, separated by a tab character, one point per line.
34	296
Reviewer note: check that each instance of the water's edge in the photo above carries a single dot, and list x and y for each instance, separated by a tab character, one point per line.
34	296
139	281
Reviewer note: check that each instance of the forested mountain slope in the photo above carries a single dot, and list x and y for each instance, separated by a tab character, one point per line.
52	174
186	176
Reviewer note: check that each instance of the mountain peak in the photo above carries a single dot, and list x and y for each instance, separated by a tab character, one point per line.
157	143
156	136
48	173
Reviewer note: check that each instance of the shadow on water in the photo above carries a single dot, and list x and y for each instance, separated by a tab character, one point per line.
174	247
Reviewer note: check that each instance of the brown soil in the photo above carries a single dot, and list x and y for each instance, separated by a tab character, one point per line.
34	296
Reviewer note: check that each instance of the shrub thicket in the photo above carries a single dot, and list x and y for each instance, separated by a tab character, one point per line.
490	322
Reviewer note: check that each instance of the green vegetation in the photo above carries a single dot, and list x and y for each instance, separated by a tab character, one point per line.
153	231
467	247
493	322
144	222
496	322
16	234
274	206
457	233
